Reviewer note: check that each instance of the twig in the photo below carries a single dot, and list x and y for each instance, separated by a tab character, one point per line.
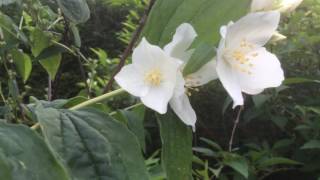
129	48
49	88
236	122
83	75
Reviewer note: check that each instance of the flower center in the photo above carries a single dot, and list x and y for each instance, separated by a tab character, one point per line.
241	58
153	77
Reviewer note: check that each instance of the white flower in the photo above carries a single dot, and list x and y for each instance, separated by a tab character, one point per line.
155	75
151	76
279	5
179	48
243	64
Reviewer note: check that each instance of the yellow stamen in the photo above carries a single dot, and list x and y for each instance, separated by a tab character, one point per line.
153	77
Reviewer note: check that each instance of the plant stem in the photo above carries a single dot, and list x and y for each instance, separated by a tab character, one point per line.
49	88
236	122
90	102
98	99
127	51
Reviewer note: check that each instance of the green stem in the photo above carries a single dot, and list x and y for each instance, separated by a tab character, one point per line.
98	99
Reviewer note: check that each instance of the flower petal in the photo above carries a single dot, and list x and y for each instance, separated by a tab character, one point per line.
180	104
146	56
256	28
131	79
183	109
265	72
229	81
204	75
158	98
182	40
262	5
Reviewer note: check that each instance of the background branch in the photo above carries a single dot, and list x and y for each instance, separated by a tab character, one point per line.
130	46
236	122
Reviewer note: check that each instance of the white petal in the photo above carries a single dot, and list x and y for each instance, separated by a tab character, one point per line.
256	28
262	5
204	75
289	5
158	98
229	81
182	107
182	40
266	72
146	56
180	104
131	78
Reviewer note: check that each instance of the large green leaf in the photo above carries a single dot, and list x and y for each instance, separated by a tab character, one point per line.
24	155
75	10
92	144
23	63
206	16
176	140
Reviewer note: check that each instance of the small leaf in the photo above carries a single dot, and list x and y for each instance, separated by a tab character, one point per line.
51	65
312	144
75	10
237	163
76	35
277	161
40	40
211	143
10	29
23	63
299	80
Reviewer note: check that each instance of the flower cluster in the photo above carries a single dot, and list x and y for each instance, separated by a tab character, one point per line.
242	65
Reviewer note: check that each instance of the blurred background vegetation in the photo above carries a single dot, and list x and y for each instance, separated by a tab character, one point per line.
279	130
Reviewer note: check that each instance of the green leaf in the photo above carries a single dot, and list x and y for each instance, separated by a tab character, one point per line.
176	140
211	143
23	63
290	81
277	161
11	30
7	2
24	155
312	144
40	40
206	16
92	144
76	35
135	124
51	65
200	57
75	10
238	163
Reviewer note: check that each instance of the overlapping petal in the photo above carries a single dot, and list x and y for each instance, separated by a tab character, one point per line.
181	42
255	28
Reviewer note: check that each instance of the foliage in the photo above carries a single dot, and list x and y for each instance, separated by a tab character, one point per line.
61	49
